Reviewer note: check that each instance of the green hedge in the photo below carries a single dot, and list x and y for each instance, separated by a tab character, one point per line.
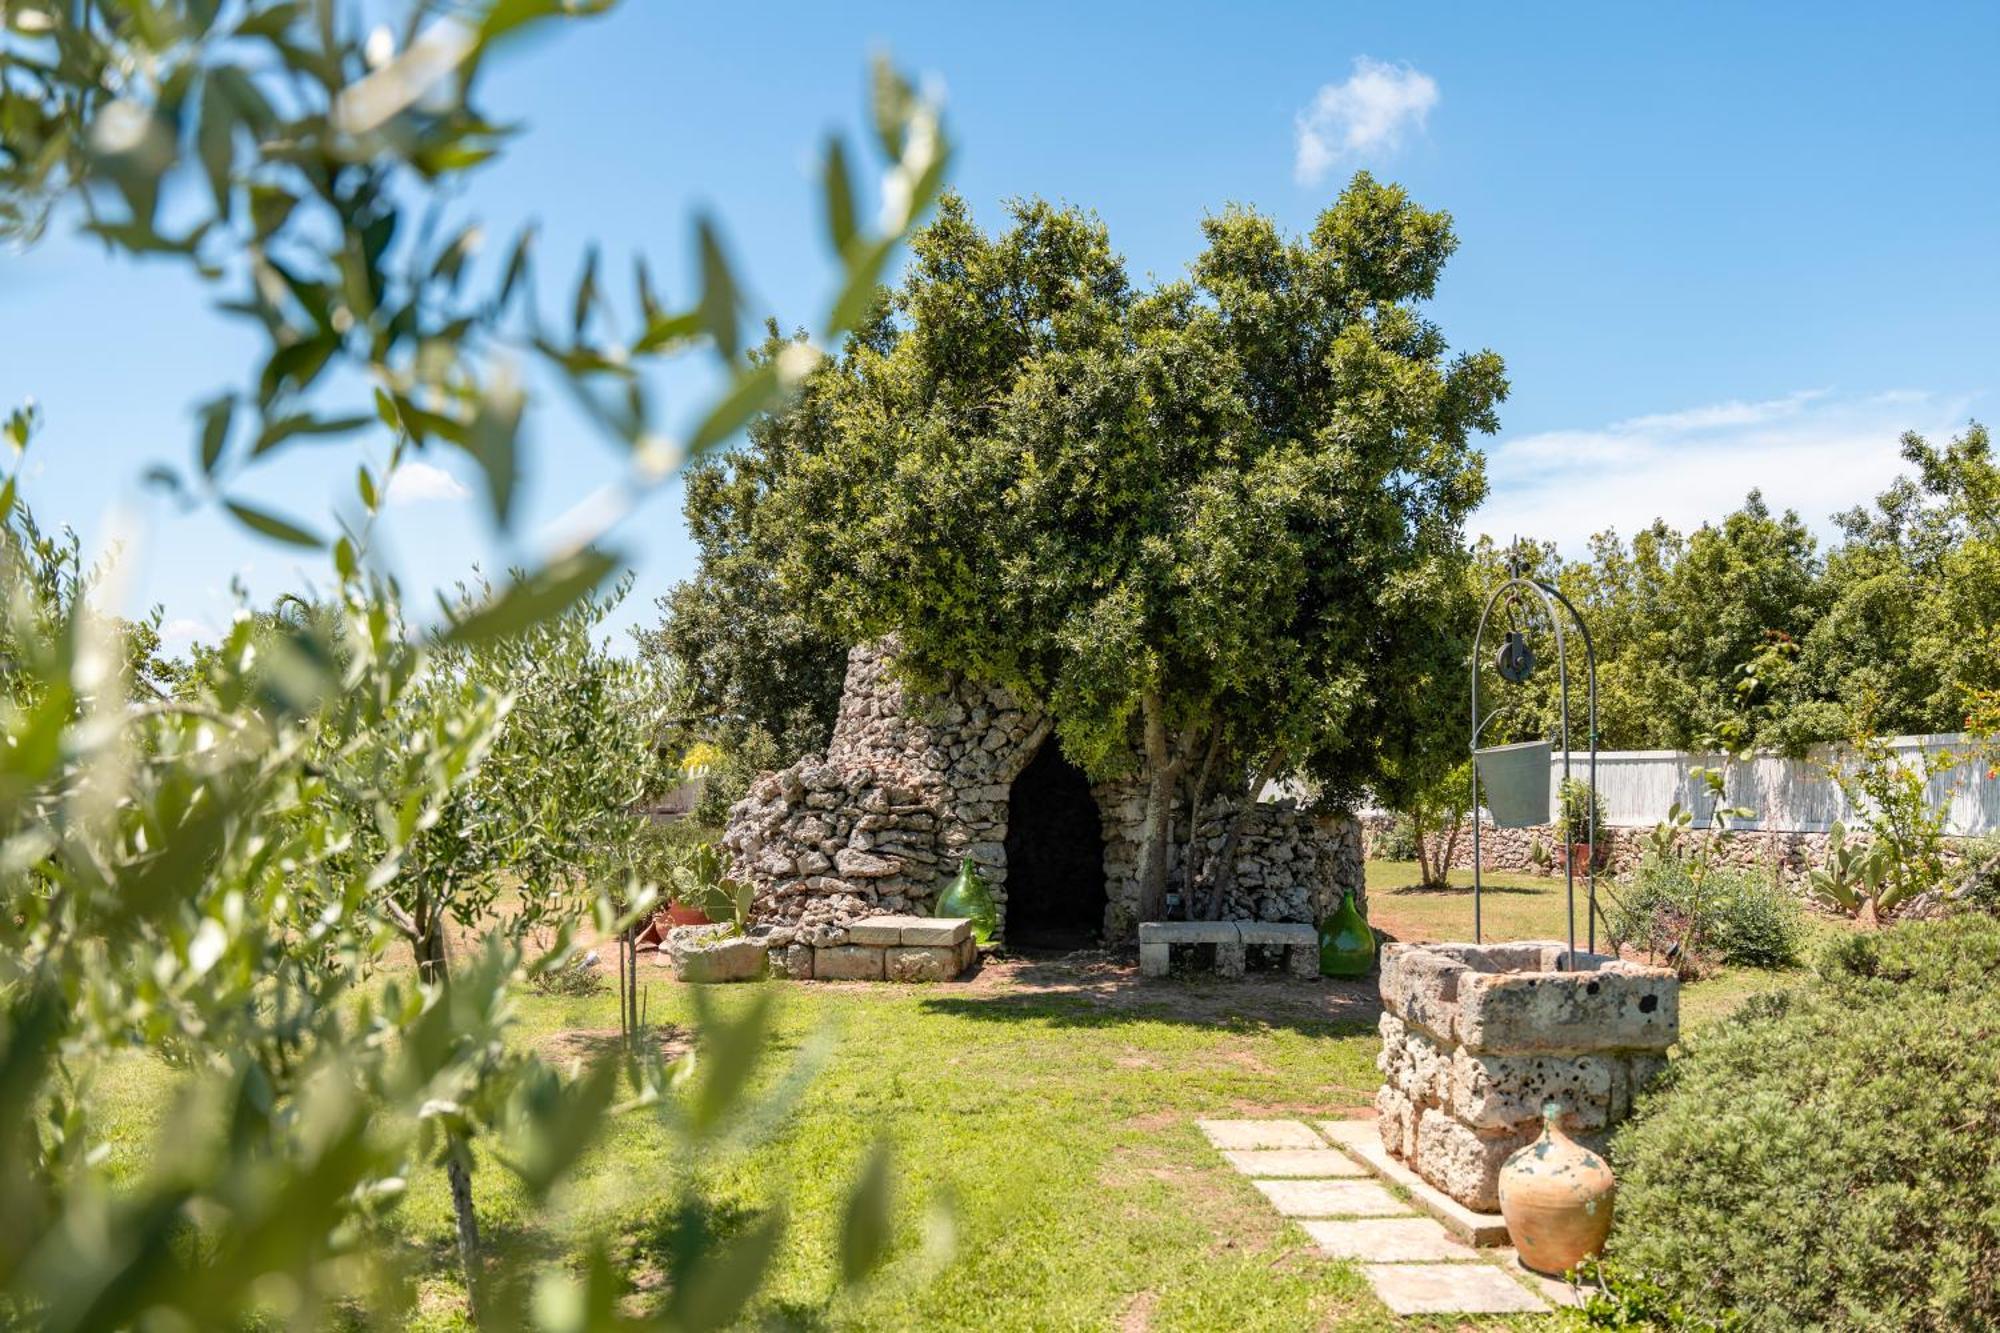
1830	1157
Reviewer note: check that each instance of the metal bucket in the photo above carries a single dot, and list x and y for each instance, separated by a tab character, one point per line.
1514	783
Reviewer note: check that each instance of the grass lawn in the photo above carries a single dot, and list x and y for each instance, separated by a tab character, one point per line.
1046	1108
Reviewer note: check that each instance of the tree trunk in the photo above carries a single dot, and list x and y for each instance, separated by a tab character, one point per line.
1197	798
1421	834
1450	849
1225	857
1154	843
434	965
468	1224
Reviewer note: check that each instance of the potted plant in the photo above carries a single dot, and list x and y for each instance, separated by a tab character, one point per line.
697	887
1582	825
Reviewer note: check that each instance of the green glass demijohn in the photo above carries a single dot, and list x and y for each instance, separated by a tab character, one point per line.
968	896
1346	944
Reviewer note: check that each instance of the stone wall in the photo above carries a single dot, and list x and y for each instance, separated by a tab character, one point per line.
1476	1038
910	784
1620	849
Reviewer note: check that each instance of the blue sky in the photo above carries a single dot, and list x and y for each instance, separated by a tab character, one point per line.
1718	246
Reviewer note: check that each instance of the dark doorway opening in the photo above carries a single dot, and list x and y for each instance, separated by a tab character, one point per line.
1055	856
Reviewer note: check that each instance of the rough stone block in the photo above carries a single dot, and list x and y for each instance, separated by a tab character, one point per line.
798	961
936	930
724	960
1303	960
1155	957
853	864
1421	987
968	953
1504	1093
1230	960
1396	1121
921	962
881	930
1620	1007
1461	1162
848	962
1424	1068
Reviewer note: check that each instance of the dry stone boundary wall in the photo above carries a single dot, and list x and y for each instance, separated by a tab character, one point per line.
1620	849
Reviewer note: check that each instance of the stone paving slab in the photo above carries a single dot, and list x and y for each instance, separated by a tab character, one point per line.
1361	1140
1242	1134
1450	1289
1284	1163
1332	1198
1388	1240
1558	1291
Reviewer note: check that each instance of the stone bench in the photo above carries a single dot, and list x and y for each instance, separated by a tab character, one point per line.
886	948
1297	943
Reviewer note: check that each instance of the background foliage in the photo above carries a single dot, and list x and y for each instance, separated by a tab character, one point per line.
1748	632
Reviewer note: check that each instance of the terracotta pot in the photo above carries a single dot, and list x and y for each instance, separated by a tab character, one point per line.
680	915
1580	859
1556	1195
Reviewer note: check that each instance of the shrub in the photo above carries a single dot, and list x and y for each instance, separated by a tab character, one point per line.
1978	886
1830	1159
1398	842
1741	917
579	976
1582	812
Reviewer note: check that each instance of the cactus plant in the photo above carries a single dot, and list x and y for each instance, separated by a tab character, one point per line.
1851	881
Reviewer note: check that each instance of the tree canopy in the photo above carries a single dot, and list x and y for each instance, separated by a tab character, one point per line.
1213	524
1747	632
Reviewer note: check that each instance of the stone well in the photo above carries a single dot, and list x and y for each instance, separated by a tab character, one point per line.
1475	1037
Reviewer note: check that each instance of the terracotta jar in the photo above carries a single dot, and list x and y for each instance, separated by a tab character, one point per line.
1556	1195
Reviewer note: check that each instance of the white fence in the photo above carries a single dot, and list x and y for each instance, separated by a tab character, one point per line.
1638	787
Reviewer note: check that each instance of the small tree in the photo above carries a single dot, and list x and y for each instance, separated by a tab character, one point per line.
1906	861
181	872
1438	815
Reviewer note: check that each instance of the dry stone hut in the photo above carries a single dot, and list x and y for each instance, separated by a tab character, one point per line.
911	783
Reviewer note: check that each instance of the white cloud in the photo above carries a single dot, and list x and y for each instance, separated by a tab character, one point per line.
1362	117
182	631
1813	451
416	482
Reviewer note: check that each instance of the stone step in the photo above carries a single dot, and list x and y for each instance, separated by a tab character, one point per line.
1414	1289
1245	1134
1332	1198
1361	1140
1293	1163
1388	1240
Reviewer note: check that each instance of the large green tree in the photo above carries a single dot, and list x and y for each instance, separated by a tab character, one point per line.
1213	525
759	675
